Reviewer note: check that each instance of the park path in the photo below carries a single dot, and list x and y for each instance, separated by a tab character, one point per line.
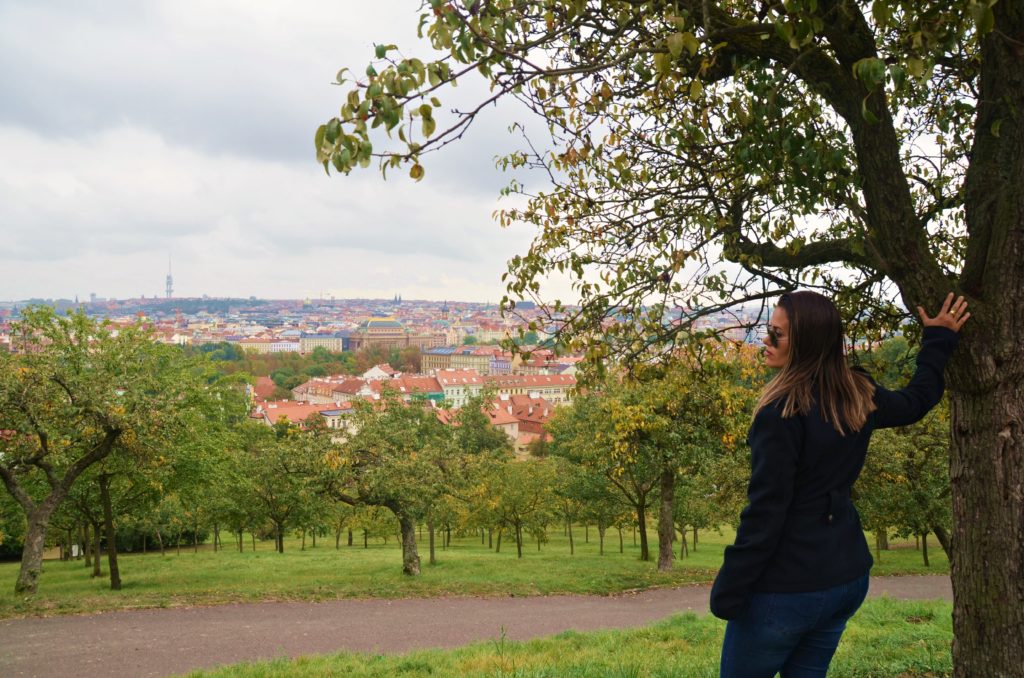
162	642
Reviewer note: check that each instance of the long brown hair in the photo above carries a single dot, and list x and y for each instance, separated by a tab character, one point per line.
817	369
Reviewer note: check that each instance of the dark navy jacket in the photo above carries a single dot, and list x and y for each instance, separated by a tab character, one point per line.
799	531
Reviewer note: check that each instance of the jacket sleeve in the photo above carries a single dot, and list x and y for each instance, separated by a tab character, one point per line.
924	391
775	444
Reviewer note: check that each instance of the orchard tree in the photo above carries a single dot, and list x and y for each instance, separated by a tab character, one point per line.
73	391
873	150
276	471
585	434
394	460
521	498
685	412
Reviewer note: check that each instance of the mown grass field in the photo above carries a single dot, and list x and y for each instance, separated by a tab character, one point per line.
323	573
885	639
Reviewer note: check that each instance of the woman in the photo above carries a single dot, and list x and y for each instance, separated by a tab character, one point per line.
799	567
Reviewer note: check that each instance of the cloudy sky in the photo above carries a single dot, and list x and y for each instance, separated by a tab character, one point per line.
134	131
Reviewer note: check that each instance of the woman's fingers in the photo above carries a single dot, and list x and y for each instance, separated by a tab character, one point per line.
945	304
952	314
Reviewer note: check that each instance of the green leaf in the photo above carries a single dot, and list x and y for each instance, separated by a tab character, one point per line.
915	67
994	129
332	130
866	113
429	125
675	44
881	12
416	172
691	43
318	138
983	17
870	71
696	90
340	77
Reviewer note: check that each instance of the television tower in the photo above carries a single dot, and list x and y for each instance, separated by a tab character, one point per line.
170	279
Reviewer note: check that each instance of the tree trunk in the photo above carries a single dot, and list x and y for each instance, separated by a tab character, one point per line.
586	533
883	539
108	521
160	542
143	543
86	544
621	548
490	537
683	547
430	537
350	536
366	538
313	535
987	474
694	538
303	539
195	538
280	537
252	535
641	524
482	536
572	547
497	548
600	537
519	541
410	558
32	553
337	539
666	523
97	570
216	536
943	537
924	548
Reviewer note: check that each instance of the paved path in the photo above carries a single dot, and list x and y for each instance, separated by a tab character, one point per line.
164	642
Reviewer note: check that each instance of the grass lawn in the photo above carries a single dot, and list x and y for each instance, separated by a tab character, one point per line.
885	638
323	573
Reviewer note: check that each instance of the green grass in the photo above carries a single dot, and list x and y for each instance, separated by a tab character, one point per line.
323	573
885	638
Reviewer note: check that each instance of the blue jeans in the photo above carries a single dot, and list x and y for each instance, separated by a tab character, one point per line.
792	633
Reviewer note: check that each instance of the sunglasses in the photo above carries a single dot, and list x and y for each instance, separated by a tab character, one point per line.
773	335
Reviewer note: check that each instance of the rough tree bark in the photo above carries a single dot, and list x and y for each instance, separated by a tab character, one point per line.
410	558
666	525
108	523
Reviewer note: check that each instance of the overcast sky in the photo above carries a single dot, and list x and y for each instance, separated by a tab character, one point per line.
134	131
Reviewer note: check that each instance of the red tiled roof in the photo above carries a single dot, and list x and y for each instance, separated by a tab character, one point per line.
408	384
294	411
